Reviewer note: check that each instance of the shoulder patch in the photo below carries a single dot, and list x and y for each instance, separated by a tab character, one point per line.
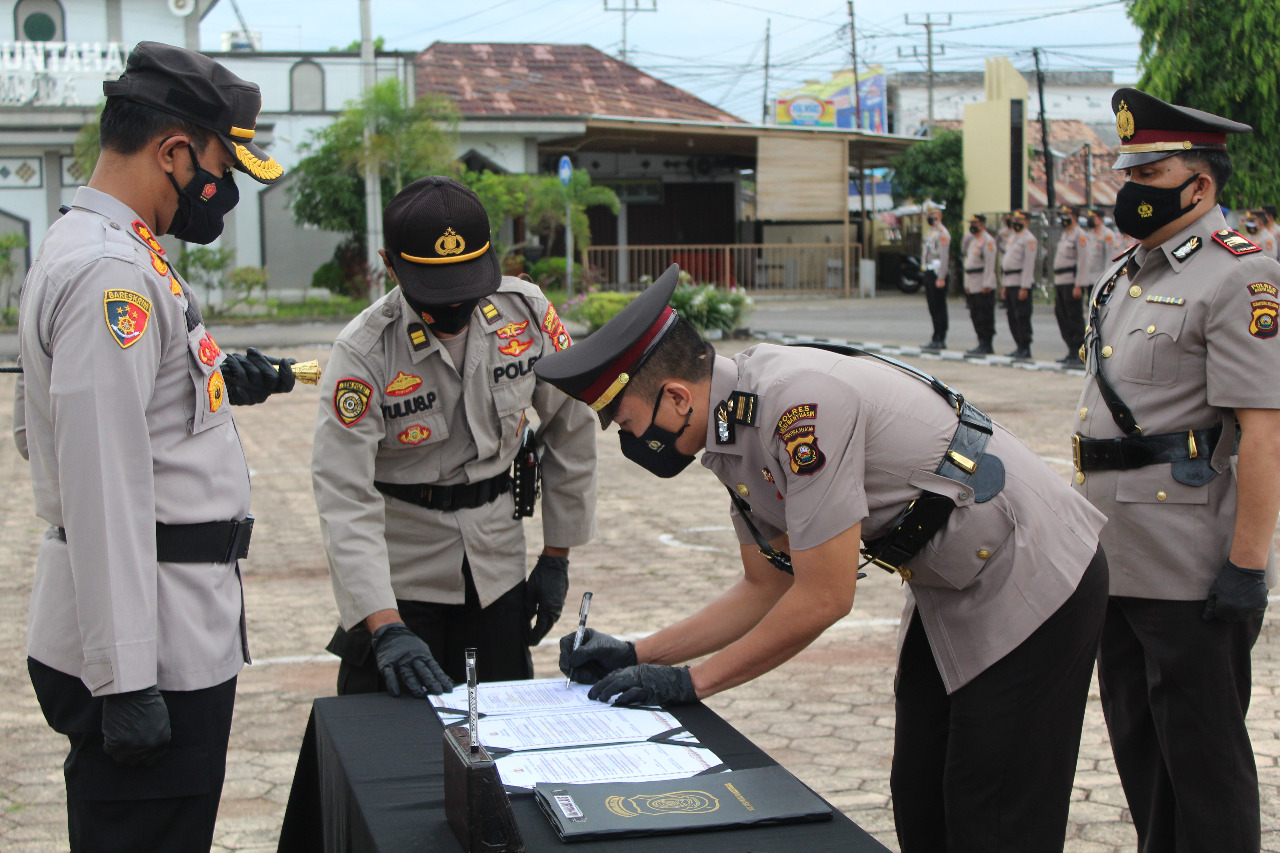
802	446
490	311
804	411
418	336
554	327
1125	252
351	400
1262	321
550	319
1188	248
403	384
1263	287
1234	243
140	228
127	315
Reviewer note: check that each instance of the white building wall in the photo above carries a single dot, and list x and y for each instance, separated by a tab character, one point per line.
1089	103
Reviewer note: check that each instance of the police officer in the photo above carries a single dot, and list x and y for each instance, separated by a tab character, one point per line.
820	451
1269	226
935	260
1098	245
1067	306
137	628
1255	228
1177	445
422	414
1019	278
980	257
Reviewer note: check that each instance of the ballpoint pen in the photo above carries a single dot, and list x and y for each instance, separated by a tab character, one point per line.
582	627
473	704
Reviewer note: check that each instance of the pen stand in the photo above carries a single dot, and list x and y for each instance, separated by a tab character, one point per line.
475	803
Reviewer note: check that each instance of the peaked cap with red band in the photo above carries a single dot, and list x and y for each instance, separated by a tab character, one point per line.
596	370
1151	129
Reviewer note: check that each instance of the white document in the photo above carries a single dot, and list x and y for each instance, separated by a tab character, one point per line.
520	697
633	762
548	730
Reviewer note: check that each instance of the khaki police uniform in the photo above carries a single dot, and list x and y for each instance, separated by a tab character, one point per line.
840	441
1271	242
1019	272
1186	336
935	260
1068	308
1097	247
395	409
980	261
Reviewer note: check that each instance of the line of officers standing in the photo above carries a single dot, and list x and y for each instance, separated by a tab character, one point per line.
1002	265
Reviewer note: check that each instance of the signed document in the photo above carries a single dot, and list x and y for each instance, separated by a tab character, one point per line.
634	762
554	729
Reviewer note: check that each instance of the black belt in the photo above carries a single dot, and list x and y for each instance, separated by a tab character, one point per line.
979	269
459	496
208	542
1123	454
1013	272
1058	270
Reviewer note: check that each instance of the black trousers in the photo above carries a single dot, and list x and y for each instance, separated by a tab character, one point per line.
1175	691
936	297
499	633
990	767
1070	314
1019	314
112	808
982	311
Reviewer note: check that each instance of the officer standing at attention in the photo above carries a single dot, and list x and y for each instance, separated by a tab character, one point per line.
137	627
1098	244
820	451
980	256
1067	305
1270	227
422	414
1181	346
1019	278
1254	225
935	260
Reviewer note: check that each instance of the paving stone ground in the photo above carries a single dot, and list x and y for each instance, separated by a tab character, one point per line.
663	548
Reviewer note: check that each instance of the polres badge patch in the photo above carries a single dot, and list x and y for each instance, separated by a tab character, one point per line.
804	411
127	315
1262	324
351	400
802	446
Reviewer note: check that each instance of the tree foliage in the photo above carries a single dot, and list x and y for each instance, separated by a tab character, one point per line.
933	171
1223	59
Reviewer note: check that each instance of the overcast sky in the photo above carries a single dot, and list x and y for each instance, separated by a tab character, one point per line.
716	48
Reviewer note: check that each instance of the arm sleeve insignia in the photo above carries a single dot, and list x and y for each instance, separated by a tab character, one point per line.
351	400
127	315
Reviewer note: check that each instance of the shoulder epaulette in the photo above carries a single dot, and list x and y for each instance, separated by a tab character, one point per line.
1125	252
1234	243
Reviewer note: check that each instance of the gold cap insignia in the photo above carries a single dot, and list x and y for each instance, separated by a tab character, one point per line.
450	243
1145	210
1124	122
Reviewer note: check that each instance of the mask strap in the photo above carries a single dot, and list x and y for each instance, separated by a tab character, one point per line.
653	418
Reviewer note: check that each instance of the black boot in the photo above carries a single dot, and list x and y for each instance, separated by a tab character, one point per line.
983	348
1021	353
934	344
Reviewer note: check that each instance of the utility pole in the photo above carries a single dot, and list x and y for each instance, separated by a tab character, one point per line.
1049	189
1088	175
928	23
372	183
853	58
764	106
627	8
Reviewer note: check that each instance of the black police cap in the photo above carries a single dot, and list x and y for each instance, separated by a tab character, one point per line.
436	234
194	88
1151	129
596	370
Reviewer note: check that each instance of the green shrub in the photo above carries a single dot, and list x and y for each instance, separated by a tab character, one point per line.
708	306
598	308
329	277
245	280
549	273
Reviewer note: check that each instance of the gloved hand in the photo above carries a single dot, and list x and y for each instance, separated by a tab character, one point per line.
403	657
598	655
253	377
647	684
135	727
1236	594
544	594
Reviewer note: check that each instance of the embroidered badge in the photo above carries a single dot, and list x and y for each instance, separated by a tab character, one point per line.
554	327
209	191
418	337
158	264
208	350
217	390
490	311
1234	243
724	427
1263	322
1188	248
512	330
804	411
415	434
403	384
742	408
450	243
768	475
1263	287
1166	300
174	287
550	320
140	228
1125	125
127	315
514	347
351	400
561	340
802	446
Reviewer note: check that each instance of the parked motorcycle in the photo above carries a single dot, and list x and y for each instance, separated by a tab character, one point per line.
911	276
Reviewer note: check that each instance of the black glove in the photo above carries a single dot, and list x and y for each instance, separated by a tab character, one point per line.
1236	595
544	594
403	657
598	655
135	727
253	377
647	684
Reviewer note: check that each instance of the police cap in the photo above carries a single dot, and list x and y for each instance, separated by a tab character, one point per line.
597	369
436	234
1151	129
194	88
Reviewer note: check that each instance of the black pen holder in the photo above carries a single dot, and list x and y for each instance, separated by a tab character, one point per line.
475	803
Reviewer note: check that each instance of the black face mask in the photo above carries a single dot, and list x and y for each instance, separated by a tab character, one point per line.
1065	221
1142	210
655	449
1251	227
448	319
1017	226
1093	223
973	229
202	204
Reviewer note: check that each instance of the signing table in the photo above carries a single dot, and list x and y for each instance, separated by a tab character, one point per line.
370	780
